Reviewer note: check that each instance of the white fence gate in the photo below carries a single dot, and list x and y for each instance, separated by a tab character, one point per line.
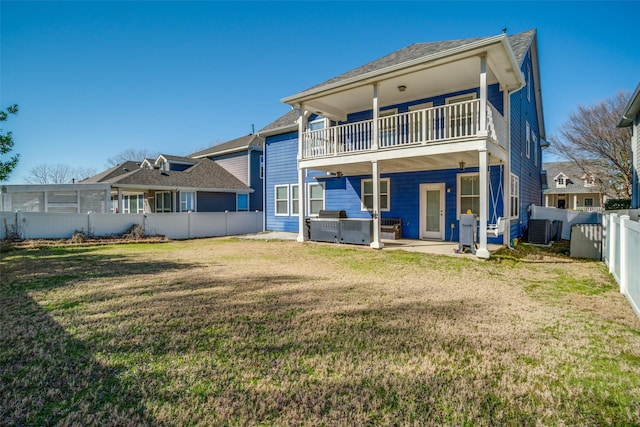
184	225
620	249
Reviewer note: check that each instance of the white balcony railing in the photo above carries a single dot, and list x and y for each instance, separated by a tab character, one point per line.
445	123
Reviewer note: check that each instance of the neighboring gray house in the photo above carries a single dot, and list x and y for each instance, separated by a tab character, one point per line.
173	184
568	187
631	118
243	158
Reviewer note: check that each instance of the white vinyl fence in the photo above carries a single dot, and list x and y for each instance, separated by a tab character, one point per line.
184	225
621	246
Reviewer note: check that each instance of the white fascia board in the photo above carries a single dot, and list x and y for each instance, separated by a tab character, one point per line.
632	109
363	78
280	130
246	148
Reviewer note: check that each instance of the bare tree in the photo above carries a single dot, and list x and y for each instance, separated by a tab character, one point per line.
131	155
591	135
57	174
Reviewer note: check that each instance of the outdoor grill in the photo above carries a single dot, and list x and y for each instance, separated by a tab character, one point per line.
334	226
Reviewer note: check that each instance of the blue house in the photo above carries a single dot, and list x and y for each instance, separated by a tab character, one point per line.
243	158
423	134
631	118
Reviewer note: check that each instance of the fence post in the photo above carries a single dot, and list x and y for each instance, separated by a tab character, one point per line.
612	243
226	223
20	229
188	224
90	223
624	277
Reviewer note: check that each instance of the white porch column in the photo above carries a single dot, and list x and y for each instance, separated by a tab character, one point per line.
120	201
575	201
375	175
482	131
374	125
546	200
302	188
482	251
506	184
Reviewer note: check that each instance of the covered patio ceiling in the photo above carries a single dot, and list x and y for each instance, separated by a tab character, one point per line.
418	80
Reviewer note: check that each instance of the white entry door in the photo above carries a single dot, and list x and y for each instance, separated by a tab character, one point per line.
432	211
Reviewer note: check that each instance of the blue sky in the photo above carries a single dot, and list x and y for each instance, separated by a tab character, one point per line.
93	79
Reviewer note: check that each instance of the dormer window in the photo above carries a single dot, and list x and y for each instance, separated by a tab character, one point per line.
589	180
561	181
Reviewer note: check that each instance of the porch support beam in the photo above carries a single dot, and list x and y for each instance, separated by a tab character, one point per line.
483	96
482	251
302	190
375	175
374	125
506	183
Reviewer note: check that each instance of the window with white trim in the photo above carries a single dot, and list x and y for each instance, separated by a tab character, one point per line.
461	115
528	139
282	200
316	198
133	203
262	166
468	193
295	200
163	201
187	201
514	196
561	181
534	142
387	124
588	202
242	202
367	194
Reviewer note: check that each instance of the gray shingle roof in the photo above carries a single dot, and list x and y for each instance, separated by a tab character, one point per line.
204	174
180	159
574	176
244	142
519	43
111	173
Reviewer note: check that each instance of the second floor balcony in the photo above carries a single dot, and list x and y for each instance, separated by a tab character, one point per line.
434	125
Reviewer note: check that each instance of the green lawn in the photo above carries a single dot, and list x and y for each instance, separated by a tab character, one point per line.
238	332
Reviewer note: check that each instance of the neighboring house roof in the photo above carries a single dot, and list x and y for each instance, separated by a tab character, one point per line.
632	109
176	159
238	144
204	175
520	43
574	178
111	173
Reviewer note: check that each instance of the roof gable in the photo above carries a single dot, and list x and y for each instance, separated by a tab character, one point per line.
238	144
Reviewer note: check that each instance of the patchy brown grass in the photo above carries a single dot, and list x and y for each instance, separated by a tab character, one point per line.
228	332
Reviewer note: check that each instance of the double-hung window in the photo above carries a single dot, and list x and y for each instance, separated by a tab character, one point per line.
469	193
295	200
367	194
163	202
388	127
514	197
528	139
461	115
316	199
282	200
187	201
